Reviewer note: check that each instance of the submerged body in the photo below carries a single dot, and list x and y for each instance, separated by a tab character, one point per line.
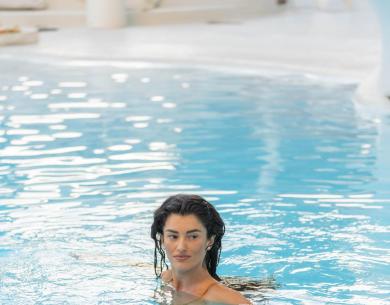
208	292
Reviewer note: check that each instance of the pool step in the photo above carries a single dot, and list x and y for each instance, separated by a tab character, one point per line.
217	3
71	13
44	18
66	4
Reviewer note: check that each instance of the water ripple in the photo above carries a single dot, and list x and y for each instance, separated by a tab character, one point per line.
88	150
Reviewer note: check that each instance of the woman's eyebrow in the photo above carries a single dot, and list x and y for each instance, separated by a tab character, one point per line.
171	231
193	231
188	232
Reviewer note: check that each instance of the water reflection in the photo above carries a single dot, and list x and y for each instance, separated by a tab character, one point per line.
256	290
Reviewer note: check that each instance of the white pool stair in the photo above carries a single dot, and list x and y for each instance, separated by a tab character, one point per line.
72	13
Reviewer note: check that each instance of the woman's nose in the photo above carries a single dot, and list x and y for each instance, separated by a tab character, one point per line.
181	244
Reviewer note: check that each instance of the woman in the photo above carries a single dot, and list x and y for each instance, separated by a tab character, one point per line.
188	230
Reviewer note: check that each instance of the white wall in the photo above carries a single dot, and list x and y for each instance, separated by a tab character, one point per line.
383	12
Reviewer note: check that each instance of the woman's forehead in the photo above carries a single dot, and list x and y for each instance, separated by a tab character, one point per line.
185	223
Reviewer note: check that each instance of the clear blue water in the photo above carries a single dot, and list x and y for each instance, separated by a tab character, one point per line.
88	150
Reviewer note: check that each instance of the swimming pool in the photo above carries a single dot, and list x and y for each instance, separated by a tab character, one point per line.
89	149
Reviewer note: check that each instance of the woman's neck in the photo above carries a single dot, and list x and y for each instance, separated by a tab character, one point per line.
186	281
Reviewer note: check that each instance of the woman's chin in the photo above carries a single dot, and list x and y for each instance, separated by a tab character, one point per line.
182	267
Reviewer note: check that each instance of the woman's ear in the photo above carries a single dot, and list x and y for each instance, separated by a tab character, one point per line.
211	241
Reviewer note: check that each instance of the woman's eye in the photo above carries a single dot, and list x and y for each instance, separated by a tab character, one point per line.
172	236
193	236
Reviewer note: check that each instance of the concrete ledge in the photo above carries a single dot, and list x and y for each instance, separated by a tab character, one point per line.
66	4
193	15
193	11
25	36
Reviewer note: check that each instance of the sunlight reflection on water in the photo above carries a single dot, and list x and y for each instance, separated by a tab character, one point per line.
94	147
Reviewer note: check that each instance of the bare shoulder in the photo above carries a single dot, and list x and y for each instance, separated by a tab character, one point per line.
223	294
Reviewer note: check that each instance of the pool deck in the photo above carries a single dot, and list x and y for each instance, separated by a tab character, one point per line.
343	42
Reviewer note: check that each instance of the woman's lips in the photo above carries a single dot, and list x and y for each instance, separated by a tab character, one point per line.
181	258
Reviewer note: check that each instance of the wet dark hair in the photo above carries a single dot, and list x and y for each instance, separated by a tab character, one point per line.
183	204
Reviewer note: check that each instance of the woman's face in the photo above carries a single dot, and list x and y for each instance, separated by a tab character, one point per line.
185	241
